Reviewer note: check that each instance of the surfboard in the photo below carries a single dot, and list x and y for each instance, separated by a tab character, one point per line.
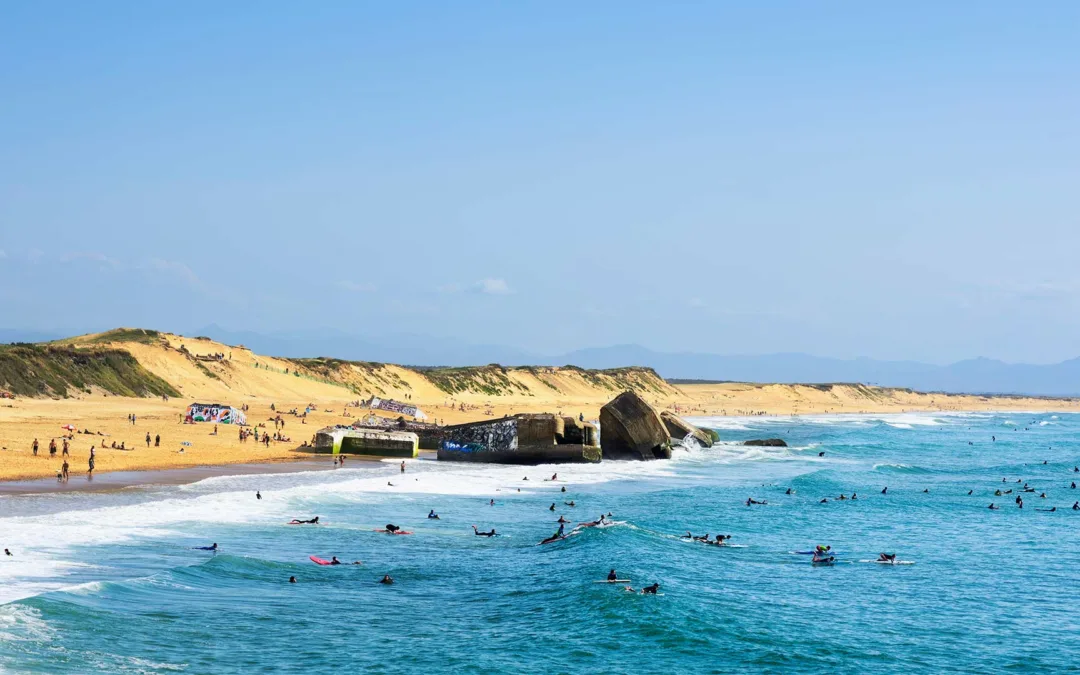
889	562
612	581
389	532
319	561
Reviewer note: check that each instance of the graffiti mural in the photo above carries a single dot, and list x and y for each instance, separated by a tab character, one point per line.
216	413
500	435
391	405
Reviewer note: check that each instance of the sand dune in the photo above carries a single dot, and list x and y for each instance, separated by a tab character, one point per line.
447	395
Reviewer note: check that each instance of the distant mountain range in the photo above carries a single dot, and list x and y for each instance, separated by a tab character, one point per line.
979	376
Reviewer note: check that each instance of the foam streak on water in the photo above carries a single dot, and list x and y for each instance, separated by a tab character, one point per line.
109	581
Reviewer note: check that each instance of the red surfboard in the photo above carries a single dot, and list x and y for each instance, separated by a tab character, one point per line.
319	561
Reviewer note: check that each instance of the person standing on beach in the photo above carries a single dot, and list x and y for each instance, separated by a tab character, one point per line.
148	439
64	470
65	452
402	466
157	440
90	468
35	447
52	447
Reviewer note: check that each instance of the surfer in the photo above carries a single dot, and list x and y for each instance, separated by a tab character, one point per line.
491	502
558	535
651	589
854	495
998	493
824	500
720	540
292	580
563	489
705	538
554	476
969	492
562	520
994	508
1073	486
886	557
212	547
552	507
334	560
313	521
258	495
432	515
7	552
387	579
751	500
885	490
789	492
841	498
594	523
1076	506
391	528
570	503
610	577
1050	510
490	534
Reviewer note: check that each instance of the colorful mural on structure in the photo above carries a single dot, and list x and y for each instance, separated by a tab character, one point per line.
216	413
391	405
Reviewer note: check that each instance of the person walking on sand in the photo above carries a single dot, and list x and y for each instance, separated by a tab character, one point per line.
90	466
35	447
148	439
65	452
52	447
402	466
64	470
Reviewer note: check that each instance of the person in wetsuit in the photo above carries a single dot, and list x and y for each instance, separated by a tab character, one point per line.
433	515
651	589
387	579
492	533
612	576
313	521
391	528
212	547
886	557
334	560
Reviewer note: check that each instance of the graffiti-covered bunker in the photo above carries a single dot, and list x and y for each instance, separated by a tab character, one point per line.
522	439
371	442
215	412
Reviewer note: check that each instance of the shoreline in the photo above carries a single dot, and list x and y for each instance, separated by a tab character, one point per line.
107	481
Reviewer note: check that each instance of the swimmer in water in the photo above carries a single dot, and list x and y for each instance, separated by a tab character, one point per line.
486	534
1073	486
292	580
491	503
433	515
313	521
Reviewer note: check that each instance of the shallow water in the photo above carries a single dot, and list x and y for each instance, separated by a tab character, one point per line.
108	581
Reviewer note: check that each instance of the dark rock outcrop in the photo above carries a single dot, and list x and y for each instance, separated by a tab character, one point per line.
767	443
630	428
679	429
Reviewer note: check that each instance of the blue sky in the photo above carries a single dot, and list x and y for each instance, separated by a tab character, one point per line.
893	180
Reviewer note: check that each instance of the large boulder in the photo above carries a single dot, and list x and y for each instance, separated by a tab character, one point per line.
679	429
767	443
630	428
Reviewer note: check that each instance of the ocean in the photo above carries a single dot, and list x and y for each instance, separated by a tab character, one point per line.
110	581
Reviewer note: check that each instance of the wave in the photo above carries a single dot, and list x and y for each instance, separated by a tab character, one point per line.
901	468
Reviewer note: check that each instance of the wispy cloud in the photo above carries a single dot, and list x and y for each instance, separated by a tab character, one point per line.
3	254
173	269
90	256
357	287
486	286
492	287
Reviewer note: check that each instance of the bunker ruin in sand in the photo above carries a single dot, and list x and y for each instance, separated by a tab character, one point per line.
522	439
368	442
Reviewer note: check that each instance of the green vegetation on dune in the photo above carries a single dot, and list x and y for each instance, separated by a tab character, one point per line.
139	335
490	380
43	370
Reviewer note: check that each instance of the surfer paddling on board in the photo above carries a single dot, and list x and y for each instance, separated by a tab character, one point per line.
483	534
562	521
391	528
750	501
886	557
212	547
313	521
432	515
651	590
558	535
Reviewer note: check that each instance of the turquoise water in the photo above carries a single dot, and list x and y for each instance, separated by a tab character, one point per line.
107	582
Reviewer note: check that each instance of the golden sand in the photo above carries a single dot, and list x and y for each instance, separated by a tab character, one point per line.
240	382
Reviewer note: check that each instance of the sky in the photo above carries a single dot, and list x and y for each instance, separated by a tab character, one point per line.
846	179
